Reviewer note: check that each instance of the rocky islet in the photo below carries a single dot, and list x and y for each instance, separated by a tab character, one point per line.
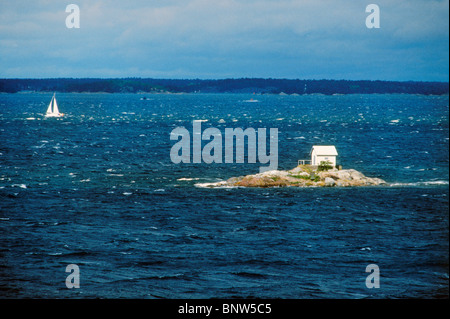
301	176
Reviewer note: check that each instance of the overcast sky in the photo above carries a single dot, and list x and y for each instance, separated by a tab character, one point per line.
208	39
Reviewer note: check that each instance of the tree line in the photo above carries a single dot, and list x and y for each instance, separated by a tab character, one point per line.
242	85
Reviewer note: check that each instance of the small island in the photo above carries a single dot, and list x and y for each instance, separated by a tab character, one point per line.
322	172
301	176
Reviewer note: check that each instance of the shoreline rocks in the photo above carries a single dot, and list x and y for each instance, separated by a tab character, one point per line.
301	176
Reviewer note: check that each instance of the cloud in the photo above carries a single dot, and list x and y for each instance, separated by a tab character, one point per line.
226	38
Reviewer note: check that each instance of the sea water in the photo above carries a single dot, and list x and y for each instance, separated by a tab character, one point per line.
97	189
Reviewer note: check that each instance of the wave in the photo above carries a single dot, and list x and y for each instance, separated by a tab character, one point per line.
19	185
215	185
70	254
249	274
427	183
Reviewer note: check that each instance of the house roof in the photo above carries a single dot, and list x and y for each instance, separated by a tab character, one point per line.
322	150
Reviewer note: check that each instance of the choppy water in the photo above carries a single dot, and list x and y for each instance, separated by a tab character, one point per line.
96	188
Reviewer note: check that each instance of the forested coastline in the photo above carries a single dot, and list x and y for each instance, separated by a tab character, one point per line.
243	85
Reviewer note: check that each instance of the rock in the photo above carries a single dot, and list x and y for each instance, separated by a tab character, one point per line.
379	181
304	174
355	174
324	175
329	181
274	173
233	180
296	170
301	176
343	174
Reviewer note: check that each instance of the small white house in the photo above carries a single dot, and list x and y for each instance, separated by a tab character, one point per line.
322	153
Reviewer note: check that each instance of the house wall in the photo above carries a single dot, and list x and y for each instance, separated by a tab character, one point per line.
315	159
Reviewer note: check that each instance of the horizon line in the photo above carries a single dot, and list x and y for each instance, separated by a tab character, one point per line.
217	79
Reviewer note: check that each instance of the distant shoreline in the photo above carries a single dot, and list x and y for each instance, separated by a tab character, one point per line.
224	93
243	85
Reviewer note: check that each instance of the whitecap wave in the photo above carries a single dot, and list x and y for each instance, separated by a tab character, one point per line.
427	183
222	184
19	185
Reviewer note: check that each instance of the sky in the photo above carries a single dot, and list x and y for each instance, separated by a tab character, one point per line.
217	39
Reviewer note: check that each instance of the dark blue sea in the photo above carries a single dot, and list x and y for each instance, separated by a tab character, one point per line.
97	188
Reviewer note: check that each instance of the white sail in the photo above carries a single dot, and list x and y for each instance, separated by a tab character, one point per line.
49	109
52	110
55	106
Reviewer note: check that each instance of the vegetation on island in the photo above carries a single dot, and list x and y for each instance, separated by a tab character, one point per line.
324	166
301	176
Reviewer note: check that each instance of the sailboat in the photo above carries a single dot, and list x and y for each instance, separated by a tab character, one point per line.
52	110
